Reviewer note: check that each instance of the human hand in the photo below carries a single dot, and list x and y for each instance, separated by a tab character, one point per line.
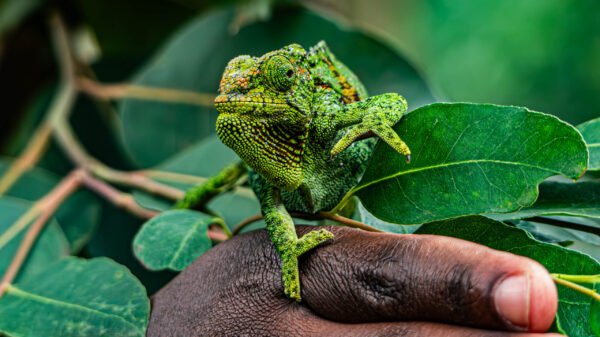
363	284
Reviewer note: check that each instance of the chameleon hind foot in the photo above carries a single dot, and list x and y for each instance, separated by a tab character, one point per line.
290	273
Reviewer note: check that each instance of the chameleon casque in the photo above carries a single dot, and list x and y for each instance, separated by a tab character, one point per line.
294	118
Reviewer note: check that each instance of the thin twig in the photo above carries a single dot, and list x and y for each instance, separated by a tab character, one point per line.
31	155
564	224
349	222
318	216
62	101
236	230
70	144
48	206
172	176
589	292
127	202
116	197
123	90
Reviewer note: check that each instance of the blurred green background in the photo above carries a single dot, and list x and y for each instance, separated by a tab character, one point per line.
542	54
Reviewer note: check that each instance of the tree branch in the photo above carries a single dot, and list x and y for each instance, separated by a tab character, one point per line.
61	104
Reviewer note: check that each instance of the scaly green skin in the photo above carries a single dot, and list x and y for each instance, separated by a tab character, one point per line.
295	118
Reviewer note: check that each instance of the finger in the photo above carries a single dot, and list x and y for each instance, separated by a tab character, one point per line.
370	277
407	329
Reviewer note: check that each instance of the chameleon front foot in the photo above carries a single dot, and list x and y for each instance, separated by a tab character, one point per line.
375	116
372	126
290	273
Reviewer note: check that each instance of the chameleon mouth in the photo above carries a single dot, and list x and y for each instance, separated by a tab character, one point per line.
248	104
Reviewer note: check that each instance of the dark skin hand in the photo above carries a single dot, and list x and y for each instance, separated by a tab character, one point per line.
363	284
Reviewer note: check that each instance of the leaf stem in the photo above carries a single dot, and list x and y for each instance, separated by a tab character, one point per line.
318	216
589	292
45	208
578	278
112	91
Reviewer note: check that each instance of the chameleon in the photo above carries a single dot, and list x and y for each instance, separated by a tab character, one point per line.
304	128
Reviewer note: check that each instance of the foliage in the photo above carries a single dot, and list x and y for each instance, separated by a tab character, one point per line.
478	171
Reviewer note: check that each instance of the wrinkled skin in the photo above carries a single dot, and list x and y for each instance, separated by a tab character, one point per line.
385	284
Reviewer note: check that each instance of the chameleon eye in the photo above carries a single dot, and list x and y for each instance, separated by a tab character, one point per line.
280	73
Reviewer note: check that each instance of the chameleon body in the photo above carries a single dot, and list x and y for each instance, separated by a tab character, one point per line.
295	117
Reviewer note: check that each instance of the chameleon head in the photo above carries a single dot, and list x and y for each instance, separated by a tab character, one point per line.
264	109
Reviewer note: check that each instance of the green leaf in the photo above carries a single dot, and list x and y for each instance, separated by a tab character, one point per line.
113	239
195	57
595	313
468	159
591	133
573	307
369	219
76	297
556	198
51	245
173	239
78	215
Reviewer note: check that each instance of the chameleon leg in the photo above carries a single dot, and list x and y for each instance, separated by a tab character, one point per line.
199	195
373	116
283	235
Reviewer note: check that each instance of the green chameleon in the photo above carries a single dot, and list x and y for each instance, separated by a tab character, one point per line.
294	117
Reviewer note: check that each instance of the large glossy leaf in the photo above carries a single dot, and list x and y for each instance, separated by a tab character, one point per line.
78	215
173	239
76	297
556	198
196	56
468	159
51	245
591	133
574	308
